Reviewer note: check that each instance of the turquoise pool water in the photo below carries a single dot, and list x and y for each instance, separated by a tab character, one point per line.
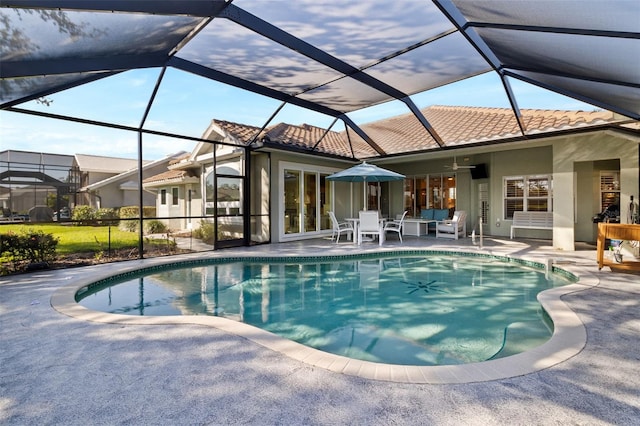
430	309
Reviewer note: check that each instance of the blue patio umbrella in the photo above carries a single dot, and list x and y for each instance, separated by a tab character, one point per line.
365	172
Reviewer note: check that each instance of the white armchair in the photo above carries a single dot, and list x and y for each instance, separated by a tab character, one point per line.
396	225
370	225
340	227
454	227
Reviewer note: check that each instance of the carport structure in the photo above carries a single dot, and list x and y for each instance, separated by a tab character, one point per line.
332	57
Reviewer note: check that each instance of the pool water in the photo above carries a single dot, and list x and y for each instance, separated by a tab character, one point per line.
409	310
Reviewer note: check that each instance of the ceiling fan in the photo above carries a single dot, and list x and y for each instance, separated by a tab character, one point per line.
456	166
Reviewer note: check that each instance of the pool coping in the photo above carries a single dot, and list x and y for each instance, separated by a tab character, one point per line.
568	339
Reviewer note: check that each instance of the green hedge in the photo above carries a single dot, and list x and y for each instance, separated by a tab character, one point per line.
132	212
19	251
84	214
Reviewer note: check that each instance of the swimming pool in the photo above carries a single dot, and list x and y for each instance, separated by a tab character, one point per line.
414	309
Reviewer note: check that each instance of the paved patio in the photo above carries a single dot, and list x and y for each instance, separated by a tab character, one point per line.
56	369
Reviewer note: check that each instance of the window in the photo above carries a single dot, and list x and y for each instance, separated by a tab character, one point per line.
483	201
210	195
434	191
527	193
174	196
409	196
609	189
292	183
163	197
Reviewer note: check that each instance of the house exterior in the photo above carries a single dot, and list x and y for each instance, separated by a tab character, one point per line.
109	182
571	163
207	185
29	179
95	169
176	195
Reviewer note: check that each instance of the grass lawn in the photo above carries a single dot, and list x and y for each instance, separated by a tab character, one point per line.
80	239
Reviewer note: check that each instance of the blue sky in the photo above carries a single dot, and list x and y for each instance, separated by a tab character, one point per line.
186	104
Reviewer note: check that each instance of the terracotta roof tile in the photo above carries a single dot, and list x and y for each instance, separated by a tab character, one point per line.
310	137
168	176
456	126
459	125
242	132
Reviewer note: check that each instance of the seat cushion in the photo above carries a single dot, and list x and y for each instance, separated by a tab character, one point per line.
426	214
440	214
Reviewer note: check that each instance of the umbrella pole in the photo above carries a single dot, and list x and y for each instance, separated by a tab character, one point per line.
364	195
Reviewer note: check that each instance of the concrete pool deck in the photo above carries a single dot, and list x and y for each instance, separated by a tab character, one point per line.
59	369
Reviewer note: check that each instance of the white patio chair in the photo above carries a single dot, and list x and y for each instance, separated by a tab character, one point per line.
370	225
454	227
395	225
340	227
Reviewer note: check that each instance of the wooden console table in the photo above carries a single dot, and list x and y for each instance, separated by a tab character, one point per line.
616	231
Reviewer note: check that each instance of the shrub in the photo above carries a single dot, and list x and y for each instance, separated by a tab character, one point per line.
155	226
130	213
106	216
9	245
26	248
85	215
39	247
130	225
205	232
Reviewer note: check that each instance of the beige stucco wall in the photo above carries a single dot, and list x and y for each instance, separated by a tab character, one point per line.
514	162
278	158
605	145
112	196
183	207
574	162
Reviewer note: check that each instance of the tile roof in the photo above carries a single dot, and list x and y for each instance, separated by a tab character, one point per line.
304	136
458	126
307	136
99	163
455	125
134	171
241	132
169	176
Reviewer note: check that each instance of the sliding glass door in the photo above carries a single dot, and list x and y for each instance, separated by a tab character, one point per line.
435	191
307	200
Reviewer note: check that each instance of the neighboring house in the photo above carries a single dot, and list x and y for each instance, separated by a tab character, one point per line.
186	193
29	179
97	168
564	153
110	190
176	196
